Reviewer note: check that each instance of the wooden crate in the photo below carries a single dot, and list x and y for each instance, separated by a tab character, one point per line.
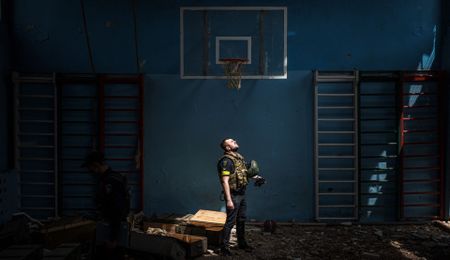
194	245
209	218
213	234
162	246
207	223
168	245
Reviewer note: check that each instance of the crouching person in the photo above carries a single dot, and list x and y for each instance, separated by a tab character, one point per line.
113	206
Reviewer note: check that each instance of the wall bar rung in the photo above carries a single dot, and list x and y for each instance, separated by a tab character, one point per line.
336	193
336	169
336	218
336	144
379	156
421	106
337	156
376	107
422	181
421	193
420	94
336	119
34	121
376	119
336	132
421	155
335	181
335	107
419	118
337	206
35	109
37	96
336	95
377	94
420	130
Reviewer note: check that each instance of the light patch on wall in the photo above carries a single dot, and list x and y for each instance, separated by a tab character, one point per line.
378	177
428	59
382	165
414	89
372	201
375	189
425	64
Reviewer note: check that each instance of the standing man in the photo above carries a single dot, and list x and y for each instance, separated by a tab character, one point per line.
234	173
113	202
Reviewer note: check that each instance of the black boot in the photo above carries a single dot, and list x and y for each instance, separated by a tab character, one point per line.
243	245
225	251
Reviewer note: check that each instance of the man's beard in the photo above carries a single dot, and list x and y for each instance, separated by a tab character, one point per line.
235	149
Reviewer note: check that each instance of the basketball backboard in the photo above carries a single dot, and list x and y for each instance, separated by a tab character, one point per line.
211	34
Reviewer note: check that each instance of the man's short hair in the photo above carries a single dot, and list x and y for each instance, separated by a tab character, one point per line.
93	157
222	144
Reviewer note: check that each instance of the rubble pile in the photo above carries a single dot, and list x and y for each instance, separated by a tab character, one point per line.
419	241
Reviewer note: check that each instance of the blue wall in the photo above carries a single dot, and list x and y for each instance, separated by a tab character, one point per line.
5	50
186	119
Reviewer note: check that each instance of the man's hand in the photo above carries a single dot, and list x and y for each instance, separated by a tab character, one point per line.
230	204
226	192
259	180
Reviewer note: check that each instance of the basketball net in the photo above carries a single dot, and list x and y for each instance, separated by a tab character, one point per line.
233	71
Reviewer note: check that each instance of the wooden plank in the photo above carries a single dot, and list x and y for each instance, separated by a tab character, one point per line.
209	217
195	245
213	234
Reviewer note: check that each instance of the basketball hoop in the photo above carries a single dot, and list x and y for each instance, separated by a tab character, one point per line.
232	69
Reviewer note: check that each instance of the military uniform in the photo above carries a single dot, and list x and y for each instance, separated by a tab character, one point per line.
233	165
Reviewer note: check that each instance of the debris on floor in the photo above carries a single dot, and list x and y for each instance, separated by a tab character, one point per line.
176	236
412	241
198	237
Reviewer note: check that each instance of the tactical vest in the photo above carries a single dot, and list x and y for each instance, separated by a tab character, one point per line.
238	178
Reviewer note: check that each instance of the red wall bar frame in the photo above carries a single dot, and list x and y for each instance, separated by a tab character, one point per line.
419	77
